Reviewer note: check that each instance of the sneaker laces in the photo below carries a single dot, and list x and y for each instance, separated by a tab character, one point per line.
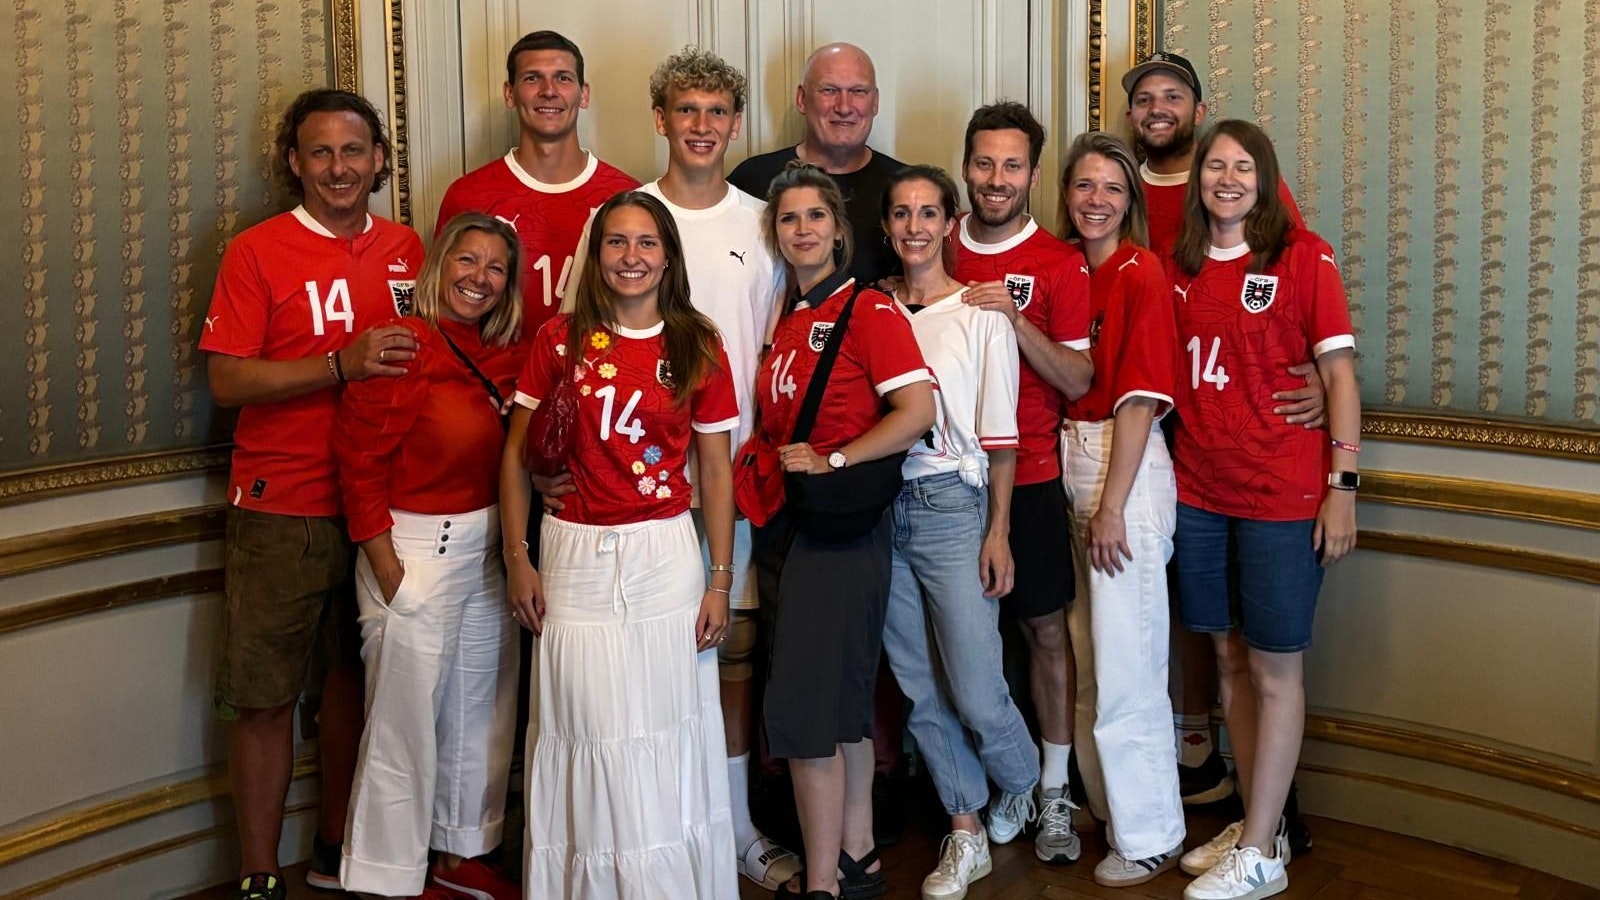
1232	865
1016	806
1055	817
955	852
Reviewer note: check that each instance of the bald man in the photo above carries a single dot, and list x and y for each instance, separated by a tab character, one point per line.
838	96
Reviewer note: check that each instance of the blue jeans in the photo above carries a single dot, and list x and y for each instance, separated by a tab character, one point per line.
943	640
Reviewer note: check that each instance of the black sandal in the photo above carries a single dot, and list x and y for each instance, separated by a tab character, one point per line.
857	883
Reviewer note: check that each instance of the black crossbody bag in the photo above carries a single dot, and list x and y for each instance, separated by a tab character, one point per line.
494	393
845	504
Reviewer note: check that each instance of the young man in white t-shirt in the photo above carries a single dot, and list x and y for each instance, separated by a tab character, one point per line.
698	100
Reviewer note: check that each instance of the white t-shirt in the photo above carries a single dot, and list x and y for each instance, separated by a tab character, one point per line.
973	355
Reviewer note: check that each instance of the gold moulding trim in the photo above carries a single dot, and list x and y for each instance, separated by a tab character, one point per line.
72	478
74	825
1448	796
1485	434
346	46
1455	753
1487	555
138	854
187	584
79	543
1509	501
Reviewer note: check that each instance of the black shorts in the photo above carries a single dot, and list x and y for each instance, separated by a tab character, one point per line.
1041	548
825	634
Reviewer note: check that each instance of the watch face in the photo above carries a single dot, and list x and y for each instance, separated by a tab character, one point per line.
836	460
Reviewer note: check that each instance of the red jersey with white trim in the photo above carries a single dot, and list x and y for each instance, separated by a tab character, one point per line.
429	441
633	440
1049	281
1132	334
1240	333
288	288
878	355
548	219
1163	203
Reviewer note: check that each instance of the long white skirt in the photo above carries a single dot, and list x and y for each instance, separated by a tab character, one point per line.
627	771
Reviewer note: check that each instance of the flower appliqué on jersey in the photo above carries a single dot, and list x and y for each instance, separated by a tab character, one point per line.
561	349
663	492
577	374
607	371
647	486
584	390
652	454
600	340
663	475
638	467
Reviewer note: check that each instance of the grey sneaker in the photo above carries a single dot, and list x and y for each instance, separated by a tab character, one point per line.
1008	815
1117	870
1056	842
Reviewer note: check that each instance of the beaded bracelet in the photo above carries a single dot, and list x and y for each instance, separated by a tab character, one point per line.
1341	445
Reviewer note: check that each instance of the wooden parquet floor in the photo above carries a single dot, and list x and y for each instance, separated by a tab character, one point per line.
1347	862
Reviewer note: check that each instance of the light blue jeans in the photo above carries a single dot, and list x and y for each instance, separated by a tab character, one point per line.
943	640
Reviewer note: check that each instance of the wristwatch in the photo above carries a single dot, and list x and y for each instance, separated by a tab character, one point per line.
1344	481
836	460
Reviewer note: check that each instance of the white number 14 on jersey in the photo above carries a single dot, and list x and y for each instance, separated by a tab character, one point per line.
1213	374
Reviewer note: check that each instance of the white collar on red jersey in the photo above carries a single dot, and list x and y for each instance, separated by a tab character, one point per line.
977	246
1156	178
310	222
545	187
1227	254
638	334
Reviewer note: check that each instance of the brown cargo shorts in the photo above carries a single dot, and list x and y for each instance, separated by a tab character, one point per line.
290	596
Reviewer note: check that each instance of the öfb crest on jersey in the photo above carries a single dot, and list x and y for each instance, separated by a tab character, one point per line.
664	373
819	335
1020	287
405	296
1258	291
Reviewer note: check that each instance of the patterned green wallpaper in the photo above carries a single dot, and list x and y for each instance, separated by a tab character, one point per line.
139	145
1451	150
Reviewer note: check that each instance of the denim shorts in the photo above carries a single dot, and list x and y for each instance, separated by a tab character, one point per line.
1260	576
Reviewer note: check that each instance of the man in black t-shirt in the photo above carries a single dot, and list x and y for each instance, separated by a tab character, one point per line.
838	95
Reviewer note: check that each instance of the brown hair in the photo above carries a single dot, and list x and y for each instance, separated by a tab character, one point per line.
1135	222
1265	227
500	323
693	69
543	40
690	339
325	100
801	174
1001	116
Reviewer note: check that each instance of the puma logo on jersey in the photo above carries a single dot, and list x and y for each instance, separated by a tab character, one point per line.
1258	292
511	221
1020	287
889	306
819	335
737	255
1132	261
400	265
1181	292
1329	260
211	323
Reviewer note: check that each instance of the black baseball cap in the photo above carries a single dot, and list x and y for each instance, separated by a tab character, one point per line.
1163	62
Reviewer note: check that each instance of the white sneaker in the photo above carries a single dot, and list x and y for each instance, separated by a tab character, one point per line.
1056	842
1117	870
765	862
1008	815
1243	873
963	859
1281	839
1203	858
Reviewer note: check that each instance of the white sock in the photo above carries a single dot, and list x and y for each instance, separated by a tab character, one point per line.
1053	768
744	830
1194	738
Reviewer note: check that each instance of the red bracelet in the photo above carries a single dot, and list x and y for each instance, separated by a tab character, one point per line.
1341	445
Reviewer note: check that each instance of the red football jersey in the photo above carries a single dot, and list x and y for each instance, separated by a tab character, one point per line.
1240	333
879	354
1132	334
548	218
1049	281
288	289
429	441
1163	203
633	441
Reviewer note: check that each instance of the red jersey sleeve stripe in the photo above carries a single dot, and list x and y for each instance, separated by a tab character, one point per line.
1000	443
1161	410
1337	342
715	427
900	381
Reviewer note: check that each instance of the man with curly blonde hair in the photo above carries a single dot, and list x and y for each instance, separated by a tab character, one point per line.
698	101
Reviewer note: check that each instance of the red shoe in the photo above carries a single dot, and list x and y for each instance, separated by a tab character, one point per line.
474	880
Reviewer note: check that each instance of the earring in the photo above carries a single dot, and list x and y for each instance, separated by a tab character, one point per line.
838	243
